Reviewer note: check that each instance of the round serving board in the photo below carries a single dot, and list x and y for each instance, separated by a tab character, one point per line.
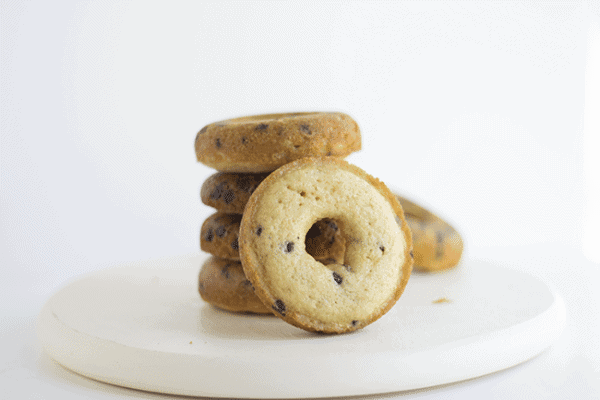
144	326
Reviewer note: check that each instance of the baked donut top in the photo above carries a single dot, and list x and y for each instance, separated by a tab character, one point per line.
262	143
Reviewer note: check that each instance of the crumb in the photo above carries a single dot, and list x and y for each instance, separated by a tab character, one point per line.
190	342
441	300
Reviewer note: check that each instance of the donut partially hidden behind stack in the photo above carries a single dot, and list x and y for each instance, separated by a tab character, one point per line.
436	244
245	151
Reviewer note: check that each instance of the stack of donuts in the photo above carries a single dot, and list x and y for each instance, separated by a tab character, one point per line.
300	233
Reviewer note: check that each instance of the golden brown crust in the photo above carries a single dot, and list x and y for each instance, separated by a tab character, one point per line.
254	265
263	143
219	235
437	245
414	210
223	284
228	191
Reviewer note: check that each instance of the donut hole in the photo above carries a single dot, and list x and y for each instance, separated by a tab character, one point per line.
325	243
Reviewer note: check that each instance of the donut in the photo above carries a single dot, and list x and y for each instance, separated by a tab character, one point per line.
338	297
437	245
219	237
228	191
223	284
414	210
262	143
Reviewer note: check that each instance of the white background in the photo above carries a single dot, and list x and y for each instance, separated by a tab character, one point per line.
485	112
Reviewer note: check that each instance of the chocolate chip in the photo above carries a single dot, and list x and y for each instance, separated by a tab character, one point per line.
289	247
412	255
228	196
218	143
244	140
439	252
216	194
249	182
354	322
328	153
258	230
225	271
220	231
305	129
261	127
201	287
382	249
209	235
248	283
279	307
235	245
439	248
337	278
244	182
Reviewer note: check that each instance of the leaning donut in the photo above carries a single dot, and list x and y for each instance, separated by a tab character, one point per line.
338	297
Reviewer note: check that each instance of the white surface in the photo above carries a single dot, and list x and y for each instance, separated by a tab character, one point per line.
568	369
143	326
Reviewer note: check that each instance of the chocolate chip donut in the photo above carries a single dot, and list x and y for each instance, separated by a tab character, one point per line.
437	245
262	143
223	284
338	297
219	237
229	192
